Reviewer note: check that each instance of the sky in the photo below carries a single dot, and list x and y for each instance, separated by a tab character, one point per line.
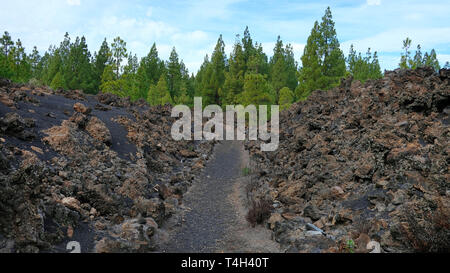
194	26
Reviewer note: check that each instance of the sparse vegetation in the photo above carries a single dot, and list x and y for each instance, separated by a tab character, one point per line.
259	212
33	83
350	246
428	232
246	171
250	188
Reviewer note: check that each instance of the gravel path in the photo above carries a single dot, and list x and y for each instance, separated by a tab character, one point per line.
214	216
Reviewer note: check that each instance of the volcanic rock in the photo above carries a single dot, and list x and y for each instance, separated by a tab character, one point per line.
361	154
81	108
88	175
98	130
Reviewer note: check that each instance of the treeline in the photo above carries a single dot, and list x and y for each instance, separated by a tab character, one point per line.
245	77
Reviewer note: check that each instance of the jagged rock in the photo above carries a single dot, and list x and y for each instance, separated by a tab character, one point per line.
4	163
63	138
113	100
273	220
6	100
361	153
71	202
312	212
98	130
12	123
81	108
68	185
80	119
5	82
188	154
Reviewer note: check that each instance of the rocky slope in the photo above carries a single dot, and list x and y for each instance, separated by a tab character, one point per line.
97	170
364	164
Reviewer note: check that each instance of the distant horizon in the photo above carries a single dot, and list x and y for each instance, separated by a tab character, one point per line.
197	25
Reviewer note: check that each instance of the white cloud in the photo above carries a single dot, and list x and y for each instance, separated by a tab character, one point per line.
73	2
373	2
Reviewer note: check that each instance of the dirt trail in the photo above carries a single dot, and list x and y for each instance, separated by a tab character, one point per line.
213	219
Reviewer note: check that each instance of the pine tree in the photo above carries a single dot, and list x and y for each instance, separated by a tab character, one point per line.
58	82
150	70
53	65
234	78
36	64
153	97
101	60
112	84
6	43
5	61
21	67
64	52
323	60
159	94
428	59
199	78
311	71
432	61
375	69
283	68
286	98
78	72
185	78
257	91
184	98
130	77
406	56
215	75
333	61
43	67
365	68
167	99
119	52
5	69
418	59
278	67
248	46
291	67
258	62
57	61
174	74
116	78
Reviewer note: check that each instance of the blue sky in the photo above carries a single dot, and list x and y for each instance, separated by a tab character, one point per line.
194	26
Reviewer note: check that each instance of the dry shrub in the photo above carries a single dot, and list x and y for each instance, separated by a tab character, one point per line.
432	234
251	187
259	212
363	225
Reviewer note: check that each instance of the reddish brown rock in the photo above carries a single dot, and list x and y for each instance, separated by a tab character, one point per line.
361	154
81	108
71	202
98	130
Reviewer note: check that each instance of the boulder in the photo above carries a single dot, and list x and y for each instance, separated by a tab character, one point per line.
98	130
81	108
